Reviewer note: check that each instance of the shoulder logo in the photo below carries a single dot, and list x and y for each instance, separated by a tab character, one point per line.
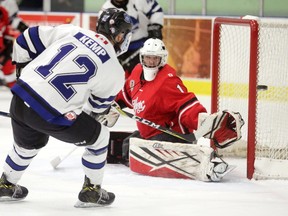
132	84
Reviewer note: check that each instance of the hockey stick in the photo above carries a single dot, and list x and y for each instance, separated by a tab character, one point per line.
57	160
5	114
187	137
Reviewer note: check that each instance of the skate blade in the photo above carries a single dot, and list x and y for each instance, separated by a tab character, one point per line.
9	199
80	204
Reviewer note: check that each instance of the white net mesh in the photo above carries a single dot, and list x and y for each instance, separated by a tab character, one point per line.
271	132
234	77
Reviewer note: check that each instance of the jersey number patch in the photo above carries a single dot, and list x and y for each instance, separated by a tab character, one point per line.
63	82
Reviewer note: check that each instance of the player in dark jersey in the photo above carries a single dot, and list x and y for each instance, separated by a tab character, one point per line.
148	21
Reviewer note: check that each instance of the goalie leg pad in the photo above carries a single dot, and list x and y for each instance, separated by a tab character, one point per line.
171	160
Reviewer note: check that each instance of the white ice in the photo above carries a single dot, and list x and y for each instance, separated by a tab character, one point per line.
54	192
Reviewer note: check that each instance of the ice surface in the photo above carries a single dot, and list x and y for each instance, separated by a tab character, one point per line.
54	192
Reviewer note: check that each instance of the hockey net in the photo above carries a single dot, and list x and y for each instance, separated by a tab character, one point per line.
250	75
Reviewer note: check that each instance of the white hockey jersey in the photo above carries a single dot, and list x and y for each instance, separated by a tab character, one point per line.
70	69
142	13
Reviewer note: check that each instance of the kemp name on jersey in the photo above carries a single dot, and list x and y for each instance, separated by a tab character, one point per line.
93	46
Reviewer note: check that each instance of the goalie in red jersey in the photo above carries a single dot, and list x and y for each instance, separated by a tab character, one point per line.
7	36
156	93
4	23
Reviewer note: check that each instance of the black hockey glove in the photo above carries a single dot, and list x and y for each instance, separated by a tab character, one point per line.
19	67
155	31
22	26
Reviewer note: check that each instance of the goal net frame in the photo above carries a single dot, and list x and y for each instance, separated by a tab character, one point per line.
253	85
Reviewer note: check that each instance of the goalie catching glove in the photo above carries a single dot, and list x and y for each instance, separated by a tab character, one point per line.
223	127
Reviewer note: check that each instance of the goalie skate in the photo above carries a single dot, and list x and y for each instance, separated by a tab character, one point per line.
93	196
11	192
219	170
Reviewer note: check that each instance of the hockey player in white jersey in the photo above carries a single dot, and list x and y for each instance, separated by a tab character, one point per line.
148	19
67	70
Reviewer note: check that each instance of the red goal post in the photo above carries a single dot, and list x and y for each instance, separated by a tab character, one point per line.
249	75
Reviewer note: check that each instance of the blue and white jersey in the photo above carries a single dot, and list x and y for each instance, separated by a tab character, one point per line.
142	13
70	69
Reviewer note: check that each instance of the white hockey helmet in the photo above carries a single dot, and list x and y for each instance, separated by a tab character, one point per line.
153	47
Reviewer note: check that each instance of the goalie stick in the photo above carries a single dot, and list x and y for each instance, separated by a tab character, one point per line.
187	137
223	127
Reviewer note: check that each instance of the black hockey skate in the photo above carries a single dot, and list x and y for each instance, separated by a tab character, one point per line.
11	192
93	196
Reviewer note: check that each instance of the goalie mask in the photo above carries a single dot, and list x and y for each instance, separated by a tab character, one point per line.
113	22
152	49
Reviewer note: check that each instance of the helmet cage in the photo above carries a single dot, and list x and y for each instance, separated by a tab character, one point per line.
153	47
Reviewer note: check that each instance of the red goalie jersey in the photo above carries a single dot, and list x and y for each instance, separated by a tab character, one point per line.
164	100
4	22
7	35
